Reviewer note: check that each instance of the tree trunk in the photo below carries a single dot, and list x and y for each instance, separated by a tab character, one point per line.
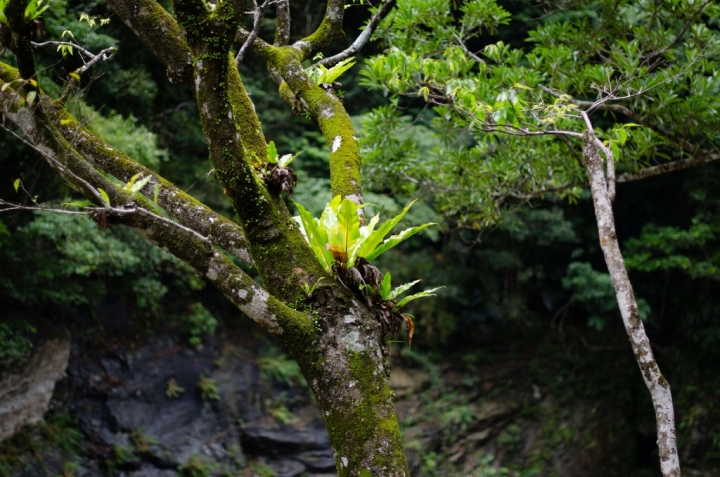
655	381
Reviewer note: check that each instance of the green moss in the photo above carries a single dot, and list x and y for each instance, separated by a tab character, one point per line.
349	431
8	73
332	117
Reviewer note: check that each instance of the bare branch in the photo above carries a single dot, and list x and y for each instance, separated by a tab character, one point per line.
464	48
257	44
609	159
668	167
257	16
363	38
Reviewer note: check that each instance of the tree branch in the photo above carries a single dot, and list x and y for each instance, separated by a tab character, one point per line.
161	34
21	45
257	16
669	167
656	383
189	211
330	30
303	94
180	241
363	38
282	22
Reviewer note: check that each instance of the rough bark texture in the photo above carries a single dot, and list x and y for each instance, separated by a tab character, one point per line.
656	383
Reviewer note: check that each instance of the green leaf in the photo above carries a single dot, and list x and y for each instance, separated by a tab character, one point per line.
142	183
410	298
156	191
131	182
316	237
401	289
330	75
385	286
286	159
16	184
105	197
329	220
30	98
348	226
368	246
272	154
395	240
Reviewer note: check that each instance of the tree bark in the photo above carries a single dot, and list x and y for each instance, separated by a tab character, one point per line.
657	384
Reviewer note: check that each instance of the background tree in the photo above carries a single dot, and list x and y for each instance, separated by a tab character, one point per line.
639	60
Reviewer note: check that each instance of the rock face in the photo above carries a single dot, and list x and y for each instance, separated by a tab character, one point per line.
160	409
25	390
137	426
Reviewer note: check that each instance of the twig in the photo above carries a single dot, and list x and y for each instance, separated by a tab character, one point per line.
363	38
257	13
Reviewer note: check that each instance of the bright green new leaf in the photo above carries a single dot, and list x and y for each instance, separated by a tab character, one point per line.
138	186
338	236
105	197
16	184
348	228
386	286
410	298
395	240
131	182
272	154
378	235
316	237
401	289
30	98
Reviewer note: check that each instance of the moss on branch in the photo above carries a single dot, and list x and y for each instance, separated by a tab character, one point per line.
332	118
161	34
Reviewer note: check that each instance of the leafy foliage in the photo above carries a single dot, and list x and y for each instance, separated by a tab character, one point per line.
493	139
337	236
321	75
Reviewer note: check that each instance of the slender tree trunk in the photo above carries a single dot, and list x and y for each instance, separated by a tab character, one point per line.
655	381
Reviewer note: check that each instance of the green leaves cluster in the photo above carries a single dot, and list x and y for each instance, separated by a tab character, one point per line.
319	74
389	294
276	160
337	236
493	135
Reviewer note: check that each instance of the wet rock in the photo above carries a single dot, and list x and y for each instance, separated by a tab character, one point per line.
26	389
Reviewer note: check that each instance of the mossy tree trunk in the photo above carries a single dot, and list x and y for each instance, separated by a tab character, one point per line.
337	341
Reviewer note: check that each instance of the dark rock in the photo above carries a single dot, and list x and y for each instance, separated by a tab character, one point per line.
267	436
319	461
